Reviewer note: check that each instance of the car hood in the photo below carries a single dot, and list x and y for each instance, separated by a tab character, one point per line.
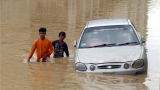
109	54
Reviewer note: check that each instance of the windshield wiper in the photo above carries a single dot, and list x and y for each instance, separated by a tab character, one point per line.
108	45
127	43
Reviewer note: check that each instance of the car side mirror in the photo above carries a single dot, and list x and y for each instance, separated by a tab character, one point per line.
75	43
143	40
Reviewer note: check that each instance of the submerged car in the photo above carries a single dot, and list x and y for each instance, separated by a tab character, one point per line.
110	46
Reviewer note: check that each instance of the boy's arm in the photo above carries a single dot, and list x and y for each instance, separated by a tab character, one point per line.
66	50
32	50
51	49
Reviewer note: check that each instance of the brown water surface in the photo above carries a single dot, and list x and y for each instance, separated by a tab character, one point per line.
20	21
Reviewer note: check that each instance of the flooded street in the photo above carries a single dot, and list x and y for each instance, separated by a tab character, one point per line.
20	21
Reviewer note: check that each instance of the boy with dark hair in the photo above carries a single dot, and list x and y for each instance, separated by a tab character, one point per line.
43	46
60	46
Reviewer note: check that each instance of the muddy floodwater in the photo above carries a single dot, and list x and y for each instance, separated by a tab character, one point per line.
20	21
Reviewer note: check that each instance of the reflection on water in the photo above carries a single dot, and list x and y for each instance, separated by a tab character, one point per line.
21	19
41	75
47	74
57	76
109	82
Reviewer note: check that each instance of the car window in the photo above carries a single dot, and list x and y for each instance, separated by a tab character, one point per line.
107	35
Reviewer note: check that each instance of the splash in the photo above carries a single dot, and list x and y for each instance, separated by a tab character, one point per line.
25	58
34	58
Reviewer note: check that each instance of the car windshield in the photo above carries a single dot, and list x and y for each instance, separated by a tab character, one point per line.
108	36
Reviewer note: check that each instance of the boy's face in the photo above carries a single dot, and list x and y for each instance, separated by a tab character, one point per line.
61	37
42	34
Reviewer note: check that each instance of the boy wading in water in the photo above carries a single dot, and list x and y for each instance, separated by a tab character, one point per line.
43	45
60	46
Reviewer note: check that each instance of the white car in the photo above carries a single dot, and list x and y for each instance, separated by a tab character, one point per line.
110	46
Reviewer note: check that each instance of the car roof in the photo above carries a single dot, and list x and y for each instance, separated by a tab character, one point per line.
108	22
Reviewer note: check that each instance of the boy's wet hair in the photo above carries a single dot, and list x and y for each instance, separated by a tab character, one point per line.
42	30
62	33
